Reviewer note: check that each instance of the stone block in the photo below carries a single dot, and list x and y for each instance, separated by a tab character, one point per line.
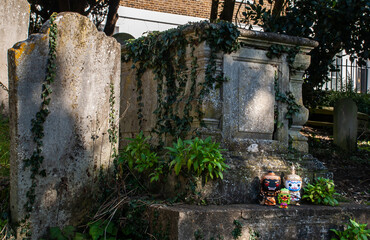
184	222
345	124
14	21
76	141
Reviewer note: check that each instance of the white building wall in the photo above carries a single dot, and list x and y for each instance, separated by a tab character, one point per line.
137	21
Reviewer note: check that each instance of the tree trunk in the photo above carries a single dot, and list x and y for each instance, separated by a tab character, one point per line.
112	17
228	11
278	8
214	10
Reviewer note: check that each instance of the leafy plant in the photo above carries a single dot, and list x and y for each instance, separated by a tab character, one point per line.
199	156
98	230
353	230
237	231
321	192
139	156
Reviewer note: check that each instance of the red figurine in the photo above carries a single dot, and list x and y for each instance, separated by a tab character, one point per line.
270	185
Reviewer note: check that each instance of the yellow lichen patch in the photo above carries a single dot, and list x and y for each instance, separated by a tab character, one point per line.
22	48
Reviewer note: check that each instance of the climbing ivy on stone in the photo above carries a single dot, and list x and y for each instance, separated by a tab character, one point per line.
165	54
37	123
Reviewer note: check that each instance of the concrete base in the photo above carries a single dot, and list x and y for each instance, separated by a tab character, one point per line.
186	222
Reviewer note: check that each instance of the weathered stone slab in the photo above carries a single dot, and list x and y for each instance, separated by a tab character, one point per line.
184	222
345	124
14	21
76	141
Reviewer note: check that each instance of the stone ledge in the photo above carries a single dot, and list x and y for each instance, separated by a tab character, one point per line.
297	222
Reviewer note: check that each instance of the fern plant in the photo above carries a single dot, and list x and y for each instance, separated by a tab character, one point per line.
321	192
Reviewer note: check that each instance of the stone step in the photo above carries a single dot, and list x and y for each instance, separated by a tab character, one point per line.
188	222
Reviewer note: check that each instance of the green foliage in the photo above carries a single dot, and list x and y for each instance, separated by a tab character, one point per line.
165	54
276	50
237	231
321	192
37	129
4	146
98	230
329	98
353	230
336	24
292	106
199	156
139	156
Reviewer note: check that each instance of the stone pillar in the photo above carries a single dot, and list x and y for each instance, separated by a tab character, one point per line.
14	21
345	124
76	137
301	63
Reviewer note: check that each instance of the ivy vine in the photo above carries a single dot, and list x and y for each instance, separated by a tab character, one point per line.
37	124
165	54
276	50
288	98
112	130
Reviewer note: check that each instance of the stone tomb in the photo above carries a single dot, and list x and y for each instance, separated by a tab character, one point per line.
242	114
76	141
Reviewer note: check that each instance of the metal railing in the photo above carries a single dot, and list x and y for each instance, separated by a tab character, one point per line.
348	75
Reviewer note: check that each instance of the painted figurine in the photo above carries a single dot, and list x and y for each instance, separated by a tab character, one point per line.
293	183
284	198
270	185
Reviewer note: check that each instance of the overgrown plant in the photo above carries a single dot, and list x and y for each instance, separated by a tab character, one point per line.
37	129
321	192
139	156
164	53
201	157
288	98
237	231
353	230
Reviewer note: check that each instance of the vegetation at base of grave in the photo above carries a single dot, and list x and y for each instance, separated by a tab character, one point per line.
353	230
237	231
336	24
288	98
203	157
321	192
37	129
139	156
200	157
164	53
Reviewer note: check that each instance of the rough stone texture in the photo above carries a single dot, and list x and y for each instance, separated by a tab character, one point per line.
14	20
241	183
296	222
345	124
76	141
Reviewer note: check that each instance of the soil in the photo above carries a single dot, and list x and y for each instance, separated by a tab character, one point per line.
351	170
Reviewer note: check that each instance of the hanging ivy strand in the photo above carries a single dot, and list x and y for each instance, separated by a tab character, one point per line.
164	53
37	123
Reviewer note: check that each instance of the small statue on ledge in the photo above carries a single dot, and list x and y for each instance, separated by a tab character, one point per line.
293	183
284	198
270	185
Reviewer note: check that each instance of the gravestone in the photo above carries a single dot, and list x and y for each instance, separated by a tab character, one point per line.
76	142
14	21
345	124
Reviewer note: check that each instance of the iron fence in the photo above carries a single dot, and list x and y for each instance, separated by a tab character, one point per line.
348	75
